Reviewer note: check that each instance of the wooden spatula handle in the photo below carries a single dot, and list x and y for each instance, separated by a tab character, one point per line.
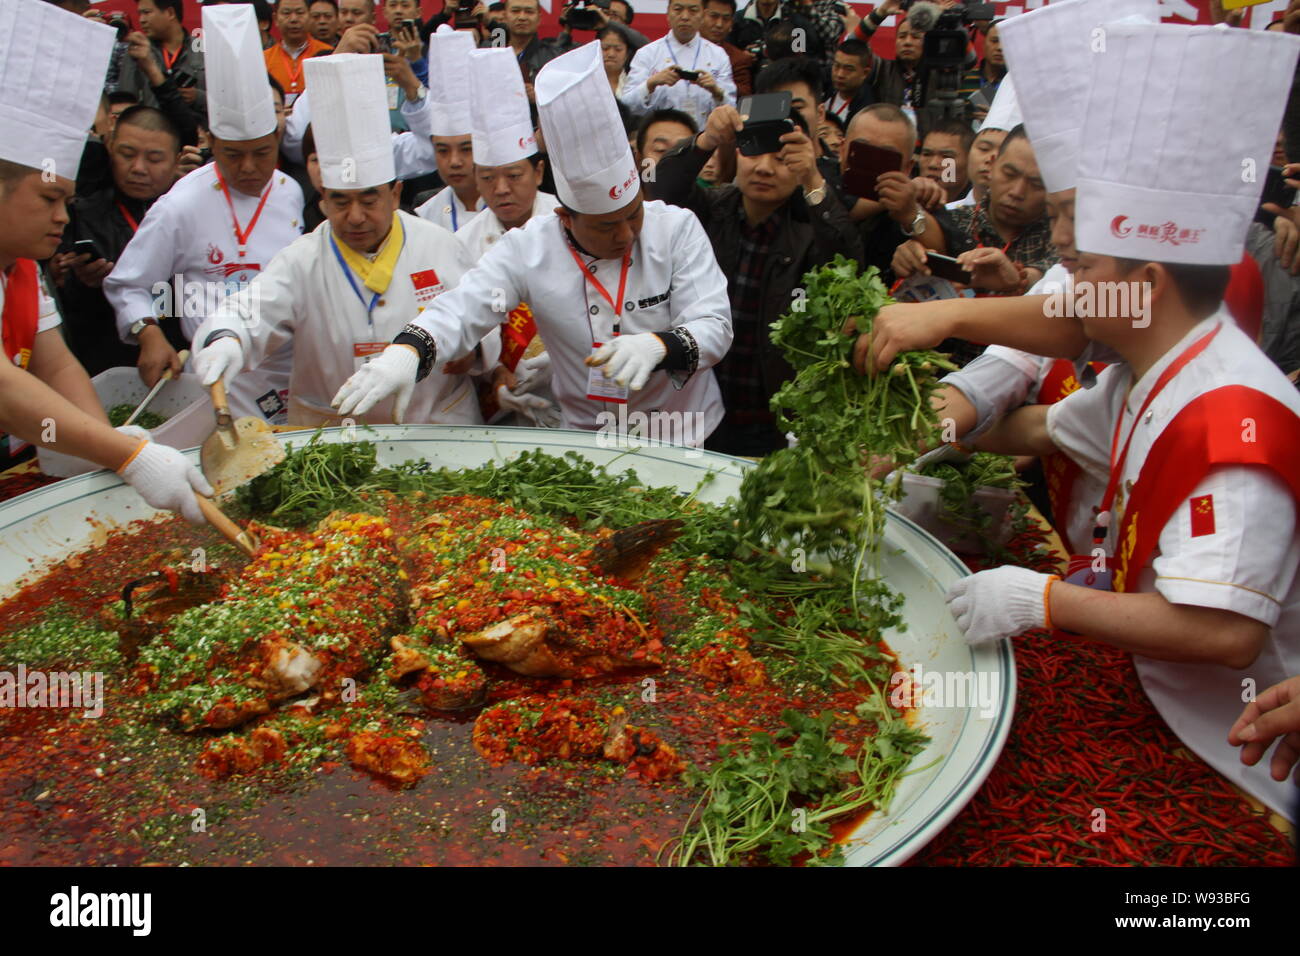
219	402
228	528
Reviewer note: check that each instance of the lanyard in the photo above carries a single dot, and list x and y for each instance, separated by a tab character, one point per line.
130	219
454	219
694	64
347	272
170	61
1117	455
617	306
289	64
242	236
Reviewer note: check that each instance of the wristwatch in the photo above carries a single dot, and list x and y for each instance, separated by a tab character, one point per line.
420	94
918	223
813	197
138	327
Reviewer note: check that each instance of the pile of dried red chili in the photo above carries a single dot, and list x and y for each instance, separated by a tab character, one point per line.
1088	748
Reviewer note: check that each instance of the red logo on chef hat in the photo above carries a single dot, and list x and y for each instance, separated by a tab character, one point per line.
1168	231
526	141
616	192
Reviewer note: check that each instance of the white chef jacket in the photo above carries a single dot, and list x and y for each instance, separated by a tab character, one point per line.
690	98
188	233
482	233
304	301
445	209
1247	565
673	281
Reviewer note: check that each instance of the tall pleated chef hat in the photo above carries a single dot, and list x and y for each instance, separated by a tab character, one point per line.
1004	111
1162	176
349	119
241	106
503	127
449	51
52	69
1050	50
590	157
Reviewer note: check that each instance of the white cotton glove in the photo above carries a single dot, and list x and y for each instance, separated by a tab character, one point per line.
1001	603
536	409
393	373
223	360
629	359
533	373
134	431
165	478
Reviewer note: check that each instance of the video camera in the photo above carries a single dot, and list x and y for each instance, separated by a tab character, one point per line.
583	16
943	59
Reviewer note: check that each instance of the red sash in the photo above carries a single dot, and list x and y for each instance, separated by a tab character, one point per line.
21	312
517	332
1220	427
1059	470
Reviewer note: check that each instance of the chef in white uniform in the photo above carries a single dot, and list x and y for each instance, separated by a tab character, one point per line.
218	226
1195	434
49	93
627	295
337	296
445	123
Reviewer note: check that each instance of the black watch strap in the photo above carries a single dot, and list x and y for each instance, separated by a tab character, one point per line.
683	352
220	334
423	343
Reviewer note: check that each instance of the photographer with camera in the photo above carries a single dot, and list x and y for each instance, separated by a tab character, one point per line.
522	18
681	70
778	221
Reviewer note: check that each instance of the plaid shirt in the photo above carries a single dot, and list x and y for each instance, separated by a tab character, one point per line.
1032	249
740	374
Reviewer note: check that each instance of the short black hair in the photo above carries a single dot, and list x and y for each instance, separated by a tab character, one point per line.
1200	287
117	97
332	3
621	32
308	144
275	85
726	3
778	40
1016	132
630	12
665	115
626	117
856	48
836	120
175	6
792	69
146	117
954	127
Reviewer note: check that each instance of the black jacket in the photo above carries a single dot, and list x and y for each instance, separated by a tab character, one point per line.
807	237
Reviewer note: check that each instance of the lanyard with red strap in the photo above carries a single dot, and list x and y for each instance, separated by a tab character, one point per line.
1117	455
169	61
130	219
616	305
289	64
242	236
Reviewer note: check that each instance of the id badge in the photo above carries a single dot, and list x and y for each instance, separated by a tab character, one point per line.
602	389
363	352
392	95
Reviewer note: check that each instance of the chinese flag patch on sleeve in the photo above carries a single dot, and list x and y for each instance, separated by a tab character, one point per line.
1202	515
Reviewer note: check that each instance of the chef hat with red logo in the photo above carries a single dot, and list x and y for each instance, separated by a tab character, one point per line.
503	127
590	157
52	69
350	120
1177	137
1050	52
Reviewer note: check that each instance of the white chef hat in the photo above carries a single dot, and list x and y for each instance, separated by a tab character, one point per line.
349	109
1170	161
52	69
449	52
1004	111
503	128
1050	50
590	158
240	103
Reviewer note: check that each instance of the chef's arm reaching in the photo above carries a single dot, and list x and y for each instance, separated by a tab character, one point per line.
35	412
54	364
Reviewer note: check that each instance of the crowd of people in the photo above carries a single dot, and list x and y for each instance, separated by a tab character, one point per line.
347	212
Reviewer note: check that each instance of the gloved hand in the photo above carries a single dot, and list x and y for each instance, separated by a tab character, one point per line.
393	373
223	359
135	431
533	373
1001	603
165	478
630	358
536	409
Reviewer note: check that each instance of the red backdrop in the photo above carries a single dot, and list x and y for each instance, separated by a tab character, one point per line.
650	20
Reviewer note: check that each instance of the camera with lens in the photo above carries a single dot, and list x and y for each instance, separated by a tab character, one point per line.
583	16
944	53
119	23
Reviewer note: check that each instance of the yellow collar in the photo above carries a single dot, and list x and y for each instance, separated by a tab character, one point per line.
376	274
